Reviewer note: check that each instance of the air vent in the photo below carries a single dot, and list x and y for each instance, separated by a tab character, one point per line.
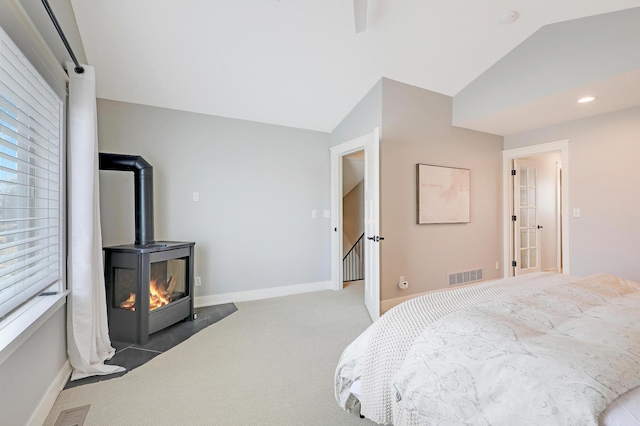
465	277
73	416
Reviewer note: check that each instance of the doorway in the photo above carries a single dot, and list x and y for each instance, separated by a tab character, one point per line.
536	192
370	145
536	210
353	217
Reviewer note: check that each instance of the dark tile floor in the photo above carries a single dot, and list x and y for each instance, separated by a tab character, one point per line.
130	355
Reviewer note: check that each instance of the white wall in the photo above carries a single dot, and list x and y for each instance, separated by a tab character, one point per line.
258	185
417	129
603	183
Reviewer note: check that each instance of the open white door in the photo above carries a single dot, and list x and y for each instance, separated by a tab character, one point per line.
510	252
372	225
526	230
371	145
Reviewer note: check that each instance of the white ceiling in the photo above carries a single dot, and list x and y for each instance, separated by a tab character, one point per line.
300	63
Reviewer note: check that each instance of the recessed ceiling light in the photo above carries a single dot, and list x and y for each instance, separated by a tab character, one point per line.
586	99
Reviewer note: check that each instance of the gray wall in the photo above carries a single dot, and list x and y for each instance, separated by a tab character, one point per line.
67	20
417	129
31	370
258	184
603	183
363	118
30	28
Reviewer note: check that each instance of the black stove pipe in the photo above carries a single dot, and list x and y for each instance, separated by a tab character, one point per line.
143	186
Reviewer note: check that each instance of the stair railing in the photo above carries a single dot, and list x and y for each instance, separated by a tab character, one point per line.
353	262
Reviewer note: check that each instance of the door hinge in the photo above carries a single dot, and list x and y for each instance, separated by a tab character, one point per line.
514	263
514	218
513	172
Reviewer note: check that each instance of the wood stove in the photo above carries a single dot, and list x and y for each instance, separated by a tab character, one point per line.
148	288
149	284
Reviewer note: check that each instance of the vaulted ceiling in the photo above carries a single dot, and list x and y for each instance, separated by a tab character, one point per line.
300	63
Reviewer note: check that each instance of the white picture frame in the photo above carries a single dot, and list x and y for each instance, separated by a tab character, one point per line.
442	194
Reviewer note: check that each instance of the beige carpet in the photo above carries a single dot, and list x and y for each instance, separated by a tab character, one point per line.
270	363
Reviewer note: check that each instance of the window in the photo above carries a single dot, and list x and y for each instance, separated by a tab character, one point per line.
31	228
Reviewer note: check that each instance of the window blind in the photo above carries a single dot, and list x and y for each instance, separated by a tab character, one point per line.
30	186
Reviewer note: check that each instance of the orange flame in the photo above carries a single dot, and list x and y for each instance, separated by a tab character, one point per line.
130	303
158	296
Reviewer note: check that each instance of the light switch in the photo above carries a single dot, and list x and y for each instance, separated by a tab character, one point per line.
196	196
576	212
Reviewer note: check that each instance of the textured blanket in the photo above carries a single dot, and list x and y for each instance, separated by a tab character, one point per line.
377	355
556	355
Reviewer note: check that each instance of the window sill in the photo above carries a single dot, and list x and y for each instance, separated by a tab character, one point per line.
18	326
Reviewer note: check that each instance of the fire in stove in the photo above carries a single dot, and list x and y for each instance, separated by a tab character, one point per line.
159	295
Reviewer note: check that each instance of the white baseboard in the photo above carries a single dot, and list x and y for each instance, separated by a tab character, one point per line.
266	293
385	305
49	399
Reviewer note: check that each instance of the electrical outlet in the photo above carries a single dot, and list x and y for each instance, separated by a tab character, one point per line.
197	282
402	283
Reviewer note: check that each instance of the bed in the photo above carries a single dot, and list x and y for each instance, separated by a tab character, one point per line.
537	349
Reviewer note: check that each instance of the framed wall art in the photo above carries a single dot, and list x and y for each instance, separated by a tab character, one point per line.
443	194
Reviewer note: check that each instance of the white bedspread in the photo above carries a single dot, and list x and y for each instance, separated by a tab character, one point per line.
378	354
554	355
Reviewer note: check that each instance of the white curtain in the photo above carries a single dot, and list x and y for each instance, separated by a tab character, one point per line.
88	342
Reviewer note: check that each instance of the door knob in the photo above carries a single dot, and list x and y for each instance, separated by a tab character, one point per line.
539	226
